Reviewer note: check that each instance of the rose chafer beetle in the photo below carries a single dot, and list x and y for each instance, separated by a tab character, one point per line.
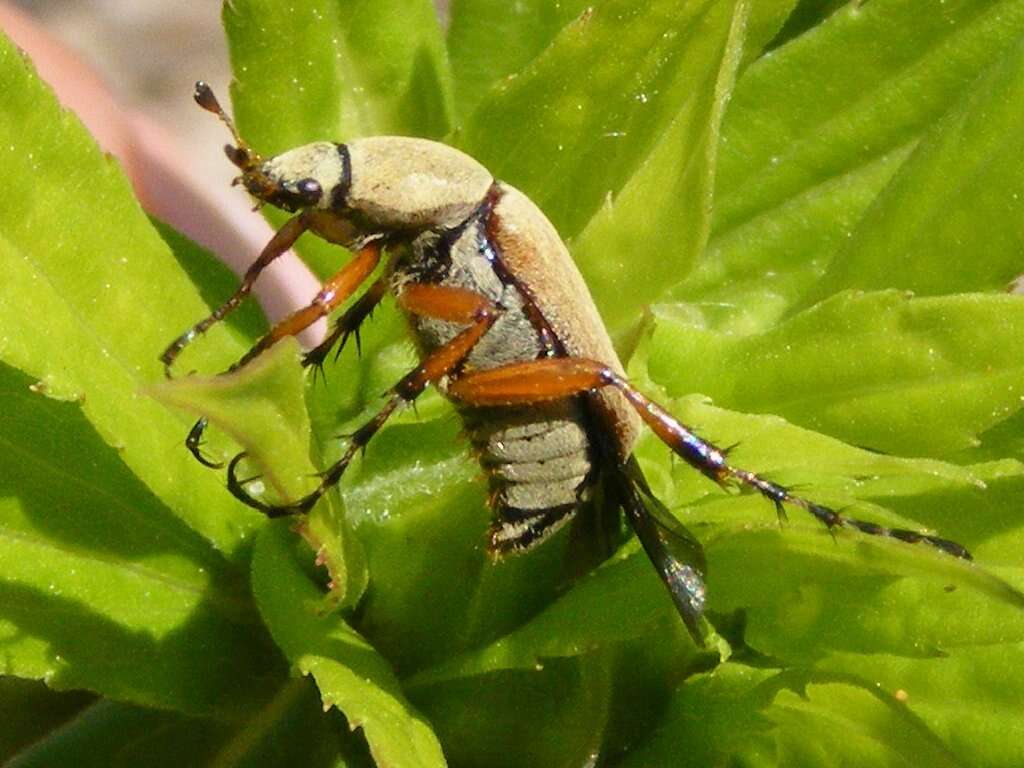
505	328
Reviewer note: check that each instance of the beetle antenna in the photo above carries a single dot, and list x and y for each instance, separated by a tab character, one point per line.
241	155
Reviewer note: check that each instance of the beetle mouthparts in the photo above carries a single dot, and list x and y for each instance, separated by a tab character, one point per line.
262	187
242	157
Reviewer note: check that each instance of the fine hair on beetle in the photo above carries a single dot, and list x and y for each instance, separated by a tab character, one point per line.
505	328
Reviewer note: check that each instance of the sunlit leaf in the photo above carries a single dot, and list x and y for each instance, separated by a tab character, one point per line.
493	39
649	232
817	129
761	717
350	674
968	698
575	125
882	370
95	570
113	295
961	193
336	71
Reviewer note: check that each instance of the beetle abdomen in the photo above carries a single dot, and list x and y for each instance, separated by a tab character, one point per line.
531	250
537	459
539	466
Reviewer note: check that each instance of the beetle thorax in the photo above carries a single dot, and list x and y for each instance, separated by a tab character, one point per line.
408	184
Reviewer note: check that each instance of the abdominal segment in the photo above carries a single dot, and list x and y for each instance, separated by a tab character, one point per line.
538	463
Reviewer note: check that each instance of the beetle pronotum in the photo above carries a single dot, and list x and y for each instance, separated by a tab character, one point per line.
505	328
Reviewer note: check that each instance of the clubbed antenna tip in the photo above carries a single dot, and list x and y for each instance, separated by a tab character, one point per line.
204	97
241	155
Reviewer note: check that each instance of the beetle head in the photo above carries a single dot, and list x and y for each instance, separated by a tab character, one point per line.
311	176
305	177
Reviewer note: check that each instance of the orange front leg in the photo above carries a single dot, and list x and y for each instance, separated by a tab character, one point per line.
453	304
282	240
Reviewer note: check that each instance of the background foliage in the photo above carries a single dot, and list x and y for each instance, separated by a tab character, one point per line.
799	220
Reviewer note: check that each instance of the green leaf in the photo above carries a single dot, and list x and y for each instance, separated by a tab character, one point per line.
492	39
817	129
1005	439
262	407
620	601
553	716
96	571
335	71
969	698
29	711
290	729
804	597
806	15
960	194
657	225
575	125
902	69
350	674
88	307
713	717
862	730
984	515
758	717
900	375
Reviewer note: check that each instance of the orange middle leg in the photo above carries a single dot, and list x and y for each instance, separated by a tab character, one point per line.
348	324
282	240
455	305
333	293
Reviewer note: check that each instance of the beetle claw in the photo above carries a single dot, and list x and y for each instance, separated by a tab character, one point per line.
194	443
233	471
237	486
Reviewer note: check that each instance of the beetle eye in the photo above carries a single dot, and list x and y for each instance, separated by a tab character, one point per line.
309	190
